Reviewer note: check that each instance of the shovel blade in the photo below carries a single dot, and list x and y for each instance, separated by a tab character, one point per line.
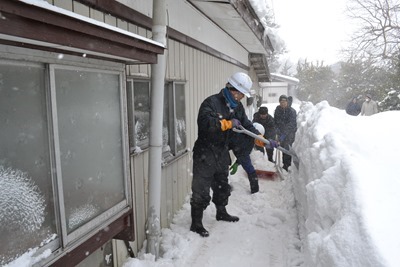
269	175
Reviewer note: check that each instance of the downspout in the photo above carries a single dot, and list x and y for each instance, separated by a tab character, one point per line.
153	228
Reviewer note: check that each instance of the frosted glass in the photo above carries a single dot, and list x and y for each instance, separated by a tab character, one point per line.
141	92
91	149
26	201
180	117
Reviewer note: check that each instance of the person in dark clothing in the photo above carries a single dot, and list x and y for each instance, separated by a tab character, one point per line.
353	108
290	101
218	114
267	121
241	146
286	125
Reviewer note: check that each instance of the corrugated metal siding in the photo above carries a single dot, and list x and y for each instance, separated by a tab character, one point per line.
144	7
66	4
204	75
139	173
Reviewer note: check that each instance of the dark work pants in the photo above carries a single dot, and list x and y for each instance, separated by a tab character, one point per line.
286	159
270	152
246	163
210	170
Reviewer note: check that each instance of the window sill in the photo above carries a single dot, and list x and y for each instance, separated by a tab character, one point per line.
171	159
167	158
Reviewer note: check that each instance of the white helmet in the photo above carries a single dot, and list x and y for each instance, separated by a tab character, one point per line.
242	82
259	127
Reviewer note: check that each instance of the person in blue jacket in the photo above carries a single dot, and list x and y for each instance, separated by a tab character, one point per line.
353	108
241	146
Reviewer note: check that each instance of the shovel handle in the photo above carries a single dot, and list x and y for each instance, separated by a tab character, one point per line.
241	129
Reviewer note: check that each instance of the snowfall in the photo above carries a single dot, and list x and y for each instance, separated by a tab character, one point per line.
337	209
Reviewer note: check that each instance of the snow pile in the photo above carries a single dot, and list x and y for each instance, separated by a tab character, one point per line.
22	205
346	187
81	214
345	192
338	209
29	259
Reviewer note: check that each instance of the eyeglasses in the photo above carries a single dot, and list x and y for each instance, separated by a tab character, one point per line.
235	91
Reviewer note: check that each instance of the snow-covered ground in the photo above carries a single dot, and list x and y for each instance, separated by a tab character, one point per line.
266	234
339	209
346	192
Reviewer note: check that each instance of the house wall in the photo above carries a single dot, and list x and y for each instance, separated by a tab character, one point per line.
203	74
272	91
180	12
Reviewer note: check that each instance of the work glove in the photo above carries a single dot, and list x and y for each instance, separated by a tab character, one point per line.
259	142
282	137
272	144
234	168
229	124
235	123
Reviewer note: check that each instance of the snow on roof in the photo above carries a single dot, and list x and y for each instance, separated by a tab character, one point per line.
284	78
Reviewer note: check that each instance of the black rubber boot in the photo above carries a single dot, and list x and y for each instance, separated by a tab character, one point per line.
222	215
253	182
197	225
285	167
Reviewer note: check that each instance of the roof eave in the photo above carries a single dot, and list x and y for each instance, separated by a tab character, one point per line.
28	25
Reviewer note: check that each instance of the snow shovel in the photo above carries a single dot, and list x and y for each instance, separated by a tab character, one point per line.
295	159
269	175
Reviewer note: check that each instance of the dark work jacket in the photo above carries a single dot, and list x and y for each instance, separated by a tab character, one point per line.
210	136
268	123
241	145
285	122
353	108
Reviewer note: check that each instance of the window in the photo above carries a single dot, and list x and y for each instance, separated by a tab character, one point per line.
174	120
139	113
63	169
27	212
90	143
272	94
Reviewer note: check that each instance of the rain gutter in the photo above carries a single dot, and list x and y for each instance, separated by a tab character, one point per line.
153	228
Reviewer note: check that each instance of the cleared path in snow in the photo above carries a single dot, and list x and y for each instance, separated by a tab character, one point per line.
265	236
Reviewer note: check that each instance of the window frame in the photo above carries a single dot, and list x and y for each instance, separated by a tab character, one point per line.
170	91
168	154
130	88
86	227
66	242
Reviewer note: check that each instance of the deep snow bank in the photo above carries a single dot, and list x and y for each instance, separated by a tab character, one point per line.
346	186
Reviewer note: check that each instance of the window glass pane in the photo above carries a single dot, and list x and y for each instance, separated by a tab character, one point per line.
166	121
27	216
141	98
180	123
91	146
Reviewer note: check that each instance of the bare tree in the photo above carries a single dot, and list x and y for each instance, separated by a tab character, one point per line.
378	33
